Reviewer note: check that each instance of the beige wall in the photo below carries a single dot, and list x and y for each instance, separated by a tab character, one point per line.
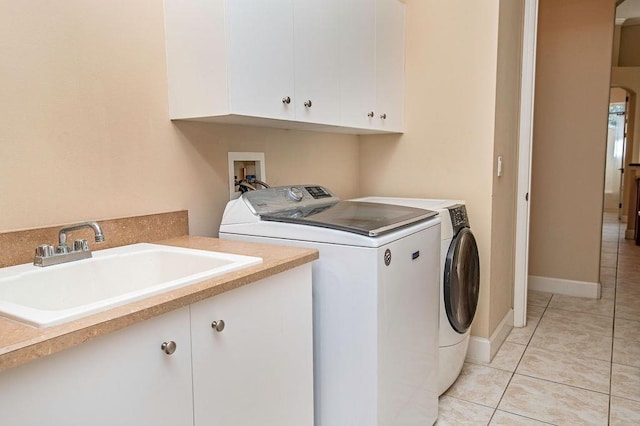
505	145
447	150
85	133
629	55
572	92
617	95
615	56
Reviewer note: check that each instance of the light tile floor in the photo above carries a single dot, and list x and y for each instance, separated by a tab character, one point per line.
577	362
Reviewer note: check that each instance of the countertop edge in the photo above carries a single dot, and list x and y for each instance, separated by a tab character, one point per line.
47	341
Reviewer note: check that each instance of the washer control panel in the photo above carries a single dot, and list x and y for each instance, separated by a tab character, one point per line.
279	198
318	192
295	193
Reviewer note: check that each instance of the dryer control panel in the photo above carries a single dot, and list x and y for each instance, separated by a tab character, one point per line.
459	218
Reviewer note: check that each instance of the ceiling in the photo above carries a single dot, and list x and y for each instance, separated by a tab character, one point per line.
628	9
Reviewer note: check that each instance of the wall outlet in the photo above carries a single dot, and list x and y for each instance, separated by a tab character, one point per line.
242	164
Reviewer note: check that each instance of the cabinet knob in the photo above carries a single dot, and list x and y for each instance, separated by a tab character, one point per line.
371	114
384	116
218	325
308	103
286	100
169	347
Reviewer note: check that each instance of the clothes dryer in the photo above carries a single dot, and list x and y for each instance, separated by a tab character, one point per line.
459	281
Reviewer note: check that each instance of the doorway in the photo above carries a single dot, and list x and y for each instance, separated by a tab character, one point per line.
549	228
614	166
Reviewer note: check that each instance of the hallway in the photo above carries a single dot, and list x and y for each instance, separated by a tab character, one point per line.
576	362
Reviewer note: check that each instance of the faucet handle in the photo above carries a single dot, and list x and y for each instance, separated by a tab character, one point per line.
80	245
62	248
44	250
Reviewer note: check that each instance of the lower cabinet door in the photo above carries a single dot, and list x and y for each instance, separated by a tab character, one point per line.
254	364
124	378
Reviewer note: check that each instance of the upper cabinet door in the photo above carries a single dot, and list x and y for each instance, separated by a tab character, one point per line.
316	53
260	49
357	63
390	56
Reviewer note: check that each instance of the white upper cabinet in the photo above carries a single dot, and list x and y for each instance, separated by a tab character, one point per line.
390	65
231	57
307	64
316	43
261	58
357	63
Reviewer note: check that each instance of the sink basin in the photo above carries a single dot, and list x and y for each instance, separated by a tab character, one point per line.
48	296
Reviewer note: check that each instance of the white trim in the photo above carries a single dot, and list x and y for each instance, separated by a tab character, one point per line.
620	21
479	349
257	157
525	143
566	287
630	21
482	349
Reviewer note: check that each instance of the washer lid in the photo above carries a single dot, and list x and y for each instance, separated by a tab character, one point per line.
371	219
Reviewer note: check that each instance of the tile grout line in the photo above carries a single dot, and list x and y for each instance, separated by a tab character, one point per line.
513	373
551	381
563	384
615	298
526	417
613	331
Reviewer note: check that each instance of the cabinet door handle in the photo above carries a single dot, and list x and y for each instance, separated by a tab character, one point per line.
384	116
286	100
371	114
218	325
308	103
169	347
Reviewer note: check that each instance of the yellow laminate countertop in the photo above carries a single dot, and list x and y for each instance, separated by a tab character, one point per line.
20	343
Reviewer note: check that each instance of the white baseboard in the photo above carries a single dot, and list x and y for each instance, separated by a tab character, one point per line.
566	287
482	349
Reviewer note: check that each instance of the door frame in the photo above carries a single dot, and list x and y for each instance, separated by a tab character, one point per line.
525	145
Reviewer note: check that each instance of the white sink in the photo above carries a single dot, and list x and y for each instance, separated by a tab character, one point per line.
55	294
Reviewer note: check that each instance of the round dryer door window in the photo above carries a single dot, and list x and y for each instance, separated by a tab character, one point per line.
462	280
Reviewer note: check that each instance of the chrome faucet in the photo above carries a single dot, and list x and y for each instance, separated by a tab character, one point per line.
63	247
45	255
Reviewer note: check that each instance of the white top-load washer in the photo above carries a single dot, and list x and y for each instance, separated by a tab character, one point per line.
375	299
459	281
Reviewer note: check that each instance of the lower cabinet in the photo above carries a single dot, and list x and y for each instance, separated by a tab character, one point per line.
258	369
176	369
123	378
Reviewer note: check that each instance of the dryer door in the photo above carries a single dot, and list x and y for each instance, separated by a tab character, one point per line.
462	280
